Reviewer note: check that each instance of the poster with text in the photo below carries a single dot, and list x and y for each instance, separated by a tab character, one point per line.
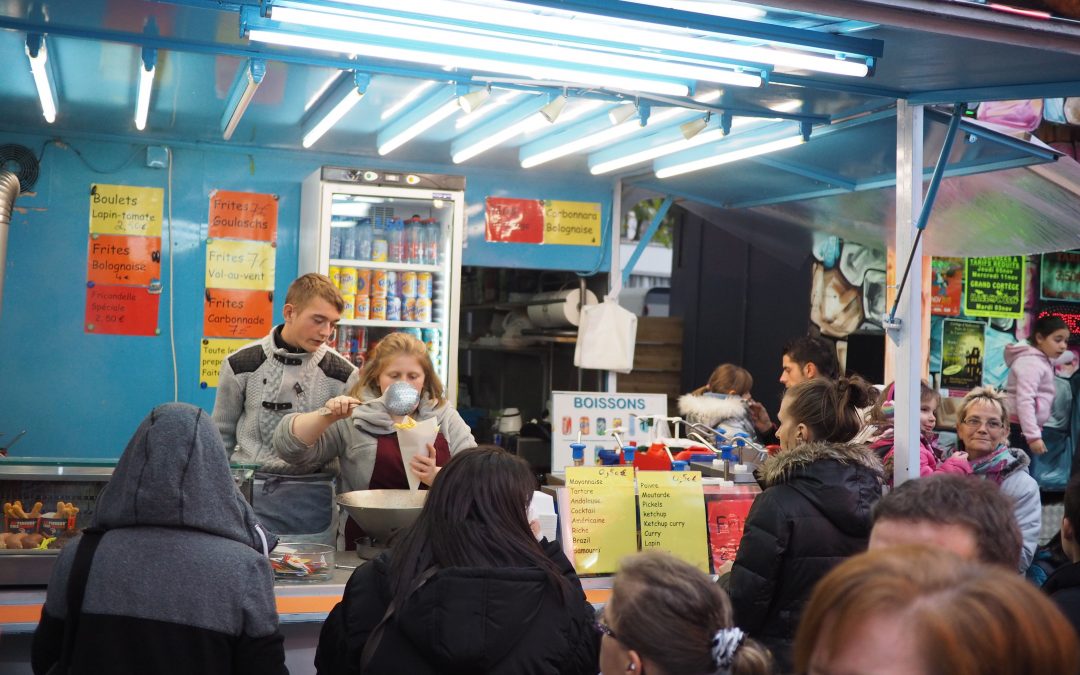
232	263
121	310
125	209
243	215
672	509
963	346
123	260
1059	276
994	287
514	220
211	353
601	517
238	313
948	286
572	223
594	416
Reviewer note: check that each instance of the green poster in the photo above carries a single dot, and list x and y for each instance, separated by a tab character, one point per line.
963	344
1059	276
994	287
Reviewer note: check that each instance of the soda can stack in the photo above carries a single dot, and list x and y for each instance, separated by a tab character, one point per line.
407	292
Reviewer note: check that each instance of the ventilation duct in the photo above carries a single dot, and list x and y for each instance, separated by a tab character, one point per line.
9	190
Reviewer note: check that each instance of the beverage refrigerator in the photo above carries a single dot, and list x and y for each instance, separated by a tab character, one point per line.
391	242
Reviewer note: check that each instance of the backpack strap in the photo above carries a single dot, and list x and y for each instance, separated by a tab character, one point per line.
76	590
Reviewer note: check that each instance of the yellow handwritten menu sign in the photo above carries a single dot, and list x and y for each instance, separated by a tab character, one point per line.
572	223
603	520
213	352
240	264
125	209
673	515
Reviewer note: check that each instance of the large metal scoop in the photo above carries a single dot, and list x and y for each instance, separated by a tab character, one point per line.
381	513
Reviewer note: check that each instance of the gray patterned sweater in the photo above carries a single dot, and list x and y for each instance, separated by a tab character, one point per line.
261	383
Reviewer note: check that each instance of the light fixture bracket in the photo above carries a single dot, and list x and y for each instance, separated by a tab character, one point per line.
725	122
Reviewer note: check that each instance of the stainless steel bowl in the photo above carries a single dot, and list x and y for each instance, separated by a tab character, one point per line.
381	513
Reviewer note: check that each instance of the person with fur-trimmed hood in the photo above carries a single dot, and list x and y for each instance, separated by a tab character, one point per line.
814	511
724	402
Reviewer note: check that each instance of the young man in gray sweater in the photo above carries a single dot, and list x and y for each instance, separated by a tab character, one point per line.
290	370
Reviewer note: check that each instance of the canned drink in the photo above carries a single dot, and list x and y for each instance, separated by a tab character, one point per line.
424	283
335	275
363	281
378	309
349	311
392	283
583	426
347	278
378	284
360	335
423	309
379	250
616	423
393	308
408	309
362	307
601	425
407	284
567	425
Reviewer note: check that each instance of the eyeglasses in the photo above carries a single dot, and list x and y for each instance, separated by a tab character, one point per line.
975	423
602	627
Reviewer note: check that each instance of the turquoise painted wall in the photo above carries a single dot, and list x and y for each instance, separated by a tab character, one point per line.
82	395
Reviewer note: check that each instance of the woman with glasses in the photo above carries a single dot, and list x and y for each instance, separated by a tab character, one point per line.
982	430
666	617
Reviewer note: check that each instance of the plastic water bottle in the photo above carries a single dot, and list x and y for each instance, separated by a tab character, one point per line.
395	240
336	235
348	241
414	244
431	242
364	235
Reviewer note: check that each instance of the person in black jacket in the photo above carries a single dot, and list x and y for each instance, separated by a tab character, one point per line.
814	512
468	589
1063	586
180	582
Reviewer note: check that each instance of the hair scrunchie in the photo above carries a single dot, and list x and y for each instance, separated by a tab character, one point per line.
725	643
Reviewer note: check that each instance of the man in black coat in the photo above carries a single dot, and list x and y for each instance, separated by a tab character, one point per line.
1063	586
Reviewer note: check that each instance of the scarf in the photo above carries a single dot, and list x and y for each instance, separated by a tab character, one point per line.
995	466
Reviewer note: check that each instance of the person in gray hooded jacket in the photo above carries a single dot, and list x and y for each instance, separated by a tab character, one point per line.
180	582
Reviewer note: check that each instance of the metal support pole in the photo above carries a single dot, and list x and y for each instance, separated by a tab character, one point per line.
649	234
615	280
908	336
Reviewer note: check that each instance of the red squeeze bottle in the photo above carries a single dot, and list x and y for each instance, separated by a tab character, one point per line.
653	459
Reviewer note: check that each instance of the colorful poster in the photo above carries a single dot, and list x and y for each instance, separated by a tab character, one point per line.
243	215
994	287
603	517
594	418
1059	276
238	313
514	220
572	223
128	261
672	506
948	286
121	310
239	264
726	509
213	352
124	209
963	345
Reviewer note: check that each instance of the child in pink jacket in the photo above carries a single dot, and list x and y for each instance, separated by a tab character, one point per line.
930	456
1030	387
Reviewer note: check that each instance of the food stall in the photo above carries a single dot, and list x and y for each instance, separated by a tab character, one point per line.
163	125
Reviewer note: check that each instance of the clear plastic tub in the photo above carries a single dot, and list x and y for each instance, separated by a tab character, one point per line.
302	562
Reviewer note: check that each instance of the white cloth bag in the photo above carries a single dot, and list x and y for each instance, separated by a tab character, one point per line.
606	337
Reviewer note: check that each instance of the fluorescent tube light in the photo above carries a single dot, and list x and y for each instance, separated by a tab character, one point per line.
677	168
479	64
710	7
407	99
637	35
41	69
417	122
484	139
317	96
248	79
376	29
142	103
339	100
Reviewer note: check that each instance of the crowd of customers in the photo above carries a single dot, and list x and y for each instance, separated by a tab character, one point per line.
838	572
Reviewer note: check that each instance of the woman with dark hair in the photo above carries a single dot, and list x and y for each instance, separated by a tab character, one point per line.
667	617
813	513
467	589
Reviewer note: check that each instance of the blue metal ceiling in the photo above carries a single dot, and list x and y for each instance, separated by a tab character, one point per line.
96	47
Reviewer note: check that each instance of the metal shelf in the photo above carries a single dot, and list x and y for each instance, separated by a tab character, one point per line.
371	265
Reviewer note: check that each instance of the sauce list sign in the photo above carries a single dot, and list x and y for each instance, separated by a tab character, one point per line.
603	520
994	287
673	515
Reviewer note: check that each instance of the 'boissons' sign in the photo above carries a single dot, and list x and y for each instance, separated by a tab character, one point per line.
595	415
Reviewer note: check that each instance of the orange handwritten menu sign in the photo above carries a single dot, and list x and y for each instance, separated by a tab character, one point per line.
121	310
115	259
243	215
514	220
237	313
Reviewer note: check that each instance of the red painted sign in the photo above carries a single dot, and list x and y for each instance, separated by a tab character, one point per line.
243	215
232	313
118	259
121	310
514	220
